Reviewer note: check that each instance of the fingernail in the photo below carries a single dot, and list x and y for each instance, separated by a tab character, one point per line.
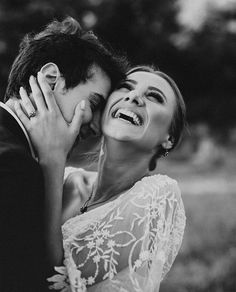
31	78
82	104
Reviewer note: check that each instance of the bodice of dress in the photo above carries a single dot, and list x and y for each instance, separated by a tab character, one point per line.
128	244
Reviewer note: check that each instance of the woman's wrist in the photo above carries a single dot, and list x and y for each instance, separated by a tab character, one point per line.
54	160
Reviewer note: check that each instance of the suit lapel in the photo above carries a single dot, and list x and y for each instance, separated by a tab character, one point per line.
7	121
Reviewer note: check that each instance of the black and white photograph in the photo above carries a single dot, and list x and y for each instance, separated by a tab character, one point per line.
117	146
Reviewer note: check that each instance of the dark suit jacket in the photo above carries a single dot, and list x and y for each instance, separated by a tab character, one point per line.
22	247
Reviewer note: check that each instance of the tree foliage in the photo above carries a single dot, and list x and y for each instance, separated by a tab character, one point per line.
144	29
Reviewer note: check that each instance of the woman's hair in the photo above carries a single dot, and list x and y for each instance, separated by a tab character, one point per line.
178	122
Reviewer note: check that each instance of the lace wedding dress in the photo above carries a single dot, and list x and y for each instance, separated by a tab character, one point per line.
128	244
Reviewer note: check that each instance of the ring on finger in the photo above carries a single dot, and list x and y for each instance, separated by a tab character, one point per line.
32	114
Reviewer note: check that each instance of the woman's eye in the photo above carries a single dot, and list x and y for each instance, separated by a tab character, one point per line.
156	97
125	85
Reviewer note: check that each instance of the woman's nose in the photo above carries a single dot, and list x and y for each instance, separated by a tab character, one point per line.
134	97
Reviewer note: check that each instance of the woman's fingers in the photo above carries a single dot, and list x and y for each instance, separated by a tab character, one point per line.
21	115
47	93
27	104
37	95
78	118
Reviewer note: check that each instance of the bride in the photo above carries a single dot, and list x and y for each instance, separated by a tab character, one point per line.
124	232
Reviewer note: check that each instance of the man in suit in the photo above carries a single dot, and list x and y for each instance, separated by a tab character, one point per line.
77	66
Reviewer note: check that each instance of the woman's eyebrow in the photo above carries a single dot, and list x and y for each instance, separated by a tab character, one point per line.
159	91
131	81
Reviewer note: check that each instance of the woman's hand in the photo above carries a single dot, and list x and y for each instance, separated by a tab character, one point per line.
51	135
78	185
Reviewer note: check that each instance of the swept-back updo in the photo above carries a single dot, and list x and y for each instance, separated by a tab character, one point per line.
179	117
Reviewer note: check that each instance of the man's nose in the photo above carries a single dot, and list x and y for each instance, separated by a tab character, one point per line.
134	97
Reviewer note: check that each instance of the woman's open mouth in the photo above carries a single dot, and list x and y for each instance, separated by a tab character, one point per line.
128	116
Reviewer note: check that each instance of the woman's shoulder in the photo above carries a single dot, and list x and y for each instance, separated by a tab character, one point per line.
160	179
153	192
156	191
160	184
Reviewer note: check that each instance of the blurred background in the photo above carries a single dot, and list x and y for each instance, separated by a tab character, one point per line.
195	43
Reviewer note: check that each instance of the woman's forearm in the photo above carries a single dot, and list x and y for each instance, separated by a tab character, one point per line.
53	171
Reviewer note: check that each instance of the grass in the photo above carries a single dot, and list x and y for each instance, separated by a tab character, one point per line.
207	260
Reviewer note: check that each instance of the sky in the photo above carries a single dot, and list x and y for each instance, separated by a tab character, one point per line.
194	12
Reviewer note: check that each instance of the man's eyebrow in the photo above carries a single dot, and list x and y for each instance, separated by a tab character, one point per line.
99	95
159	91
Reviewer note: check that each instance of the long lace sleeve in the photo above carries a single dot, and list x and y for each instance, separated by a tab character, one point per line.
129	244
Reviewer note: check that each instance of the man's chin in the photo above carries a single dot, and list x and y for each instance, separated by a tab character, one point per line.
86	132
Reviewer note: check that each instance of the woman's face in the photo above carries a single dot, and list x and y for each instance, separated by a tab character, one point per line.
140	110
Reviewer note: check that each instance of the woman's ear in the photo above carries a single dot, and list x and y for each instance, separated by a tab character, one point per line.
52	74
168	144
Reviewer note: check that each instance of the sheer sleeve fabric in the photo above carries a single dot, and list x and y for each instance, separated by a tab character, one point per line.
129	244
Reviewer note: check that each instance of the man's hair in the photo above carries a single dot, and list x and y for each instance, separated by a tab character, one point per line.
73	50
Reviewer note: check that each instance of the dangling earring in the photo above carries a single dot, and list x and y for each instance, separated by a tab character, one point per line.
165	154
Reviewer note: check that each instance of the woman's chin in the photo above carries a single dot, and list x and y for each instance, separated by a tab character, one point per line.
123	136
123	131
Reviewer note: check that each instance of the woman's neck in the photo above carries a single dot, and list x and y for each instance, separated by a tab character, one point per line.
120	167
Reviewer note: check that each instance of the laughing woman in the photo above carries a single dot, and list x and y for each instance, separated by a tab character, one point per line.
125	232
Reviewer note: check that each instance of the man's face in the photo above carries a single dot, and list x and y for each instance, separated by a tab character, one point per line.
95	91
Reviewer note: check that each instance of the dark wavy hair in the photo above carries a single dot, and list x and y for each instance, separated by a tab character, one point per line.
71	48
178	122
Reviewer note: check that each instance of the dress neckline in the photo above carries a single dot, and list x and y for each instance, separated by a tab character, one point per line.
113	202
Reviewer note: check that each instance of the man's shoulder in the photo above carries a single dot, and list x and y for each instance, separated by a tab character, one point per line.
15	157
13	145
12	132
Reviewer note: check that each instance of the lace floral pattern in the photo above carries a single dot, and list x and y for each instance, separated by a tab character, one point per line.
128	244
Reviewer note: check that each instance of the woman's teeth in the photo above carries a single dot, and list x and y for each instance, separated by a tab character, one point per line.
128	116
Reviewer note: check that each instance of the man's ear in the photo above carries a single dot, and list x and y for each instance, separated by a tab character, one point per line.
168	144
52	74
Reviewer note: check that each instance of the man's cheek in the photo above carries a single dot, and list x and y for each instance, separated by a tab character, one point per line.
95	124
87	114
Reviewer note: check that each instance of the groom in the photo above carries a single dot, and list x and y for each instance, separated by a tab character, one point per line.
77	66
